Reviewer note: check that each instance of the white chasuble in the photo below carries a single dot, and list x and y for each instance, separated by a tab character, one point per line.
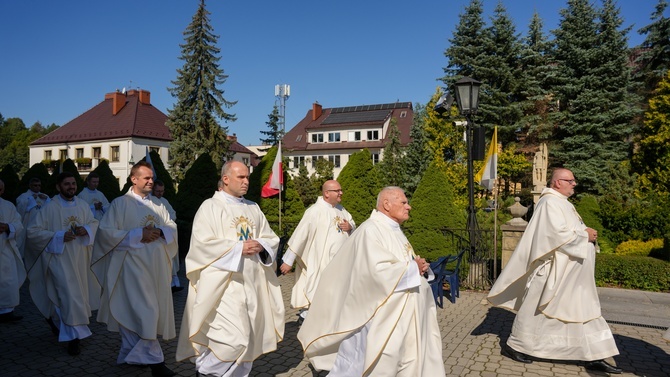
359	295
549	281
315	241
234	307
61	279
12	271
93	197
136	280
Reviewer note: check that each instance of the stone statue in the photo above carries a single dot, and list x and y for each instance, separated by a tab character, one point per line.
540	163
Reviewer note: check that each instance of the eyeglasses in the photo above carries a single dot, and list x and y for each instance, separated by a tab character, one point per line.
571	181
339	190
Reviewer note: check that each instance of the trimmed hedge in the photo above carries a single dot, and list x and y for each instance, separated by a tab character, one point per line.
632	272
639	248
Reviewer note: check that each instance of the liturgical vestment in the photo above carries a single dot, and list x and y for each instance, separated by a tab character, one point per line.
136	279
93	197
549	281
234	307
59	270
12	271
314	242
372	293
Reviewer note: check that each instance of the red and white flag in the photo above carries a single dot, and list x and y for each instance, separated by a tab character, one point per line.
276	180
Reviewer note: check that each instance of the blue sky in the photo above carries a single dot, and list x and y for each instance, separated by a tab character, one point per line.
59	58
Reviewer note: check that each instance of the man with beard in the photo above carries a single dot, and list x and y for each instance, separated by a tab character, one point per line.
58	251
132	260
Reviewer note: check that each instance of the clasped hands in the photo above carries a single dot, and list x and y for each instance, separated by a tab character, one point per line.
251	247
150	234
423	265
74	232
593	234
4	227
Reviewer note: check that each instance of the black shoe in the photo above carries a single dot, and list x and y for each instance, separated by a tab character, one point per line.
73	347
177	289
160	370
52	325
515	355
10	317
602	366
198	374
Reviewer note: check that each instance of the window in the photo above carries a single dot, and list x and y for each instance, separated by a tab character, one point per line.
335	160
317	138
373	135
313	162
375	158
62	154
403	114
333	137
115	154
47	155
245	160
96	152
155	149
79	153
298	138
298	161
354	135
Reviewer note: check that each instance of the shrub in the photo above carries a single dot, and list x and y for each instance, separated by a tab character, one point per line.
589	210
639	248
632	272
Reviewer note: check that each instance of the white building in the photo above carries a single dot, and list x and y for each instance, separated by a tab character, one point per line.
335	133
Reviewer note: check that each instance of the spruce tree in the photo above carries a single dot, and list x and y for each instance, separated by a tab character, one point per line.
390	167
417	156
273	134
654	59
194	121
594	92
11	180
467	44
108	185
360	185
305	187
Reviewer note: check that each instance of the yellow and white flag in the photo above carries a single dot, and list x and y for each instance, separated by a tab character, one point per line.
489	172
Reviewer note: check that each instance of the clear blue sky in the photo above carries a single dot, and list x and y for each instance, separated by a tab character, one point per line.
59	58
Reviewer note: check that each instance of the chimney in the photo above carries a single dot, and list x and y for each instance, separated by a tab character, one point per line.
118	101
145	97
316	111
232	138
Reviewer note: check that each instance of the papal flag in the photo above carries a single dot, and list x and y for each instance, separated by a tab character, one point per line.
489	172
276	180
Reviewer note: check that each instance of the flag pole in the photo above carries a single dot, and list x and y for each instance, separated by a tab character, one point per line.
495	228
282	92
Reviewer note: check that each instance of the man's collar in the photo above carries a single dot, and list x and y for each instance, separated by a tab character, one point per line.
231	198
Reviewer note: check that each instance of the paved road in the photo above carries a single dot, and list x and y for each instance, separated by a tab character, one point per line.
472	331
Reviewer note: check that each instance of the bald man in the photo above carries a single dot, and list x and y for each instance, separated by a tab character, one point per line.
373	313
234	310
322	230
549	282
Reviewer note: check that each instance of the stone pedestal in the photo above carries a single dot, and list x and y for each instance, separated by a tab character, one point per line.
511	234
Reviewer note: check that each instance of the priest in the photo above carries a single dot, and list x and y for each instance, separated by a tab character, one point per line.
12	271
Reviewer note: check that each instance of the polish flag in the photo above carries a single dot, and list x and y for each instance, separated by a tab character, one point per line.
276	180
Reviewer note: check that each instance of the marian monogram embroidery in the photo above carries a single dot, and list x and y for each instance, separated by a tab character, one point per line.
409	249
244	227
336	222
147	220
71	222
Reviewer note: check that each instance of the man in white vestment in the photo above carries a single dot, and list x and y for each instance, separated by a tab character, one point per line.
158	191
28	203
549	281
373	313
58	251
132	258
234	311
12	271
97	200
319	235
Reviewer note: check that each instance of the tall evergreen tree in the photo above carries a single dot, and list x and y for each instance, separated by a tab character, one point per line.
594	90
417	156
390	166
108	185
11	180
466	46
305	187
194	121
537	100
360	184
654	59
274	133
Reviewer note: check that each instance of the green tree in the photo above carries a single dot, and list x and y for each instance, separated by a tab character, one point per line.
194	121
512	166
652	157
11	180
417	156
433	208
391	165
654	58
15	140
467	45
360	184
108	185
594	91
274	133
305	187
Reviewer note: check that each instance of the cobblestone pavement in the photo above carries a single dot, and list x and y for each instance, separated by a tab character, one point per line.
472	332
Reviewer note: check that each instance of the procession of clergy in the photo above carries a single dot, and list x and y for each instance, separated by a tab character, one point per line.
366	306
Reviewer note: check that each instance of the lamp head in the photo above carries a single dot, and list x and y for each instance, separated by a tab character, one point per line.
443	104
467	95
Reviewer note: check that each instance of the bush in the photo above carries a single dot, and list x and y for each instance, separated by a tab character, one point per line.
632	272
589	210
639	248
